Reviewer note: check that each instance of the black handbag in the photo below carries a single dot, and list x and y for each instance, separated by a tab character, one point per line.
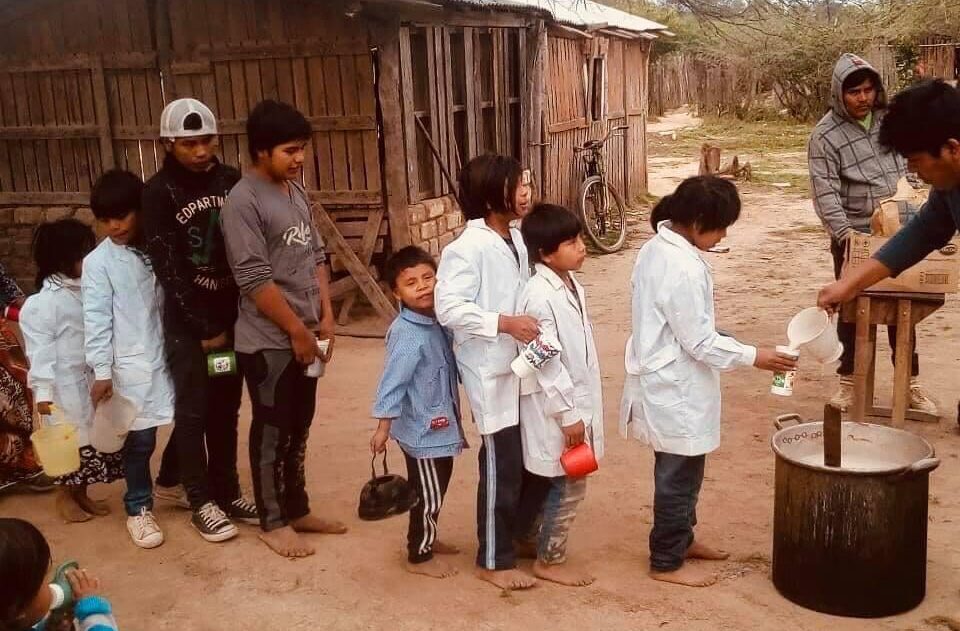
385	495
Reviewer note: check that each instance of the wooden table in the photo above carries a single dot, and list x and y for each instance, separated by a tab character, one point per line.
903	310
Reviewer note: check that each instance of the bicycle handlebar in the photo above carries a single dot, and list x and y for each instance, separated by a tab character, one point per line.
597	143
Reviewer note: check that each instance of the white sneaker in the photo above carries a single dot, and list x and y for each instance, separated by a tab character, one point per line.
920	400
144	529
176	495
843	397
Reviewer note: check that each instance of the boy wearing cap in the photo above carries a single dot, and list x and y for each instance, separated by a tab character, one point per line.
181	216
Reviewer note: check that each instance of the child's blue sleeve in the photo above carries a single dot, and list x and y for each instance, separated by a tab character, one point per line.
94	613
403	355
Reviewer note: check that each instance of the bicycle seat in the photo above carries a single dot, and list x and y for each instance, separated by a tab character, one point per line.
591	144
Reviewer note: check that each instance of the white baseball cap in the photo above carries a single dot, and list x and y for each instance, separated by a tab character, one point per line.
185	118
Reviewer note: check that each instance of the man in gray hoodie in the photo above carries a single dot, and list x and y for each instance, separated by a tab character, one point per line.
850	174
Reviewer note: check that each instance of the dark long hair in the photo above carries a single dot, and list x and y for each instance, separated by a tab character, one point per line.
24	561
488	184
710	203
59	245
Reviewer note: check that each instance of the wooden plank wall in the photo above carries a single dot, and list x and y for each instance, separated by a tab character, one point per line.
465	85
570	123
232	54
939	58
83	82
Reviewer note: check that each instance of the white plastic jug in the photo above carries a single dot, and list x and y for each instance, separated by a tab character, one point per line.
111	423
815	332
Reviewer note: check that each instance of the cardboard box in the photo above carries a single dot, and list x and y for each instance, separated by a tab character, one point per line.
939	273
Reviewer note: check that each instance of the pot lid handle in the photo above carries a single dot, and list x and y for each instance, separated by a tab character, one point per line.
784	420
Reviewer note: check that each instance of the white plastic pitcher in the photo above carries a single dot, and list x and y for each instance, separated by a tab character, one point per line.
111	423
815	332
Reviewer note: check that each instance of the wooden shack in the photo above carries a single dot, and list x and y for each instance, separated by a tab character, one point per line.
398	92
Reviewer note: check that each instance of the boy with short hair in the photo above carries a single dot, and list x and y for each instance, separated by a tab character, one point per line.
285	306
181	221
417	403
561	406
123	339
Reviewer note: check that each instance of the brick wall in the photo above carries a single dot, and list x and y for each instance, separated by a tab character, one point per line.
16	234
434	223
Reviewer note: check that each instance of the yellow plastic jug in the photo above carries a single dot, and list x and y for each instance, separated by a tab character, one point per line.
56	447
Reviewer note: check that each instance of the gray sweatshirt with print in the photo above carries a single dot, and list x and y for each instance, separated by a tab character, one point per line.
270	236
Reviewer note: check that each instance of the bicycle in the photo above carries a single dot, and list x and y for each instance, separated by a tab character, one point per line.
600	204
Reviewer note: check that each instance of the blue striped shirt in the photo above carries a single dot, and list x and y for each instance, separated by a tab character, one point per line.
418	388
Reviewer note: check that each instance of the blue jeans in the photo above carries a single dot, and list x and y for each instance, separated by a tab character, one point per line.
677	480
137	450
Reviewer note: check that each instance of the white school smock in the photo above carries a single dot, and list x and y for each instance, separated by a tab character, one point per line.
478	279
671	397
52	326
123	333
567	388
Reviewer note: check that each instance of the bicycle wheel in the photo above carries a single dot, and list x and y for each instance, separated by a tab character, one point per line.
603	214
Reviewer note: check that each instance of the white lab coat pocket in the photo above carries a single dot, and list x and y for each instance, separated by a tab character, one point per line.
664	387
132	368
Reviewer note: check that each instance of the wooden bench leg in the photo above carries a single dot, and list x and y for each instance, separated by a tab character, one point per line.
863	361
902	363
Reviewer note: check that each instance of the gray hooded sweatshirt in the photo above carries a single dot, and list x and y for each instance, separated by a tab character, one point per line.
850	172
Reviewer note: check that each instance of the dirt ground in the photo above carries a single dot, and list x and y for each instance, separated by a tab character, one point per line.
777	262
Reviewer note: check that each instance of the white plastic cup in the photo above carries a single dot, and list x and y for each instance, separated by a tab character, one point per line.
534	355
317	368
521	367
783	380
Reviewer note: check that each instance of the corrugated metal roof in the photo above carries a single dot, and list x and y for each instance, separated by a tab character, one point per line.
580	13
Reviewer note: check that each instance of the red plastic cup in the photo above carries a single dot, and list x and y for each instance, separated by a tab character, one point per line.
579	461
12	313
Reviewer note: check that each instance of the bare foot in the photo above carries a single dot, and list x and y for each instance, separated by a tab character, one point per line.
525	549
439	547
698	550
68	509
686	575
507	579
287	543
312	523
90	505
563	574
434	568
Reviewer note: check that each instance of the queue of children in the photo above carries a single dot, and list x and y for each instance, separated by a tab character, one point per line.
138	315
203	261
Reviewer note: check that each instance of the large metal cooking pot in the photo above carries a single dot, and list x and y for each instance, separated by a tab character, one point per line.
851	540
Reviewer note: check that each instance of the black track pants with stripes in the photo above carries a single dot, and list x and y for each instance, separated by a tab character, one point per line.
431	477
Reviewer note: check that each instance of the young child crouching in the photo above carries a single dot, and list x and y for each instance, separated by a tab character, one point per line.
561	405
417	404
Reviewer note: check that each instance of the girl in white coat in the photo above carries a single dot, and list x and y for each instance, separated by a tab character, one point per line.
124	340
479	281
52	325
561	405
671	397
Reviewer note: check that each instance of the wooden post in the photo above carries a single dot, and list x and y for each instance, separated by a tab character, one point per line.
863	364
394	159
536	79
102	109
902	363
165	47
